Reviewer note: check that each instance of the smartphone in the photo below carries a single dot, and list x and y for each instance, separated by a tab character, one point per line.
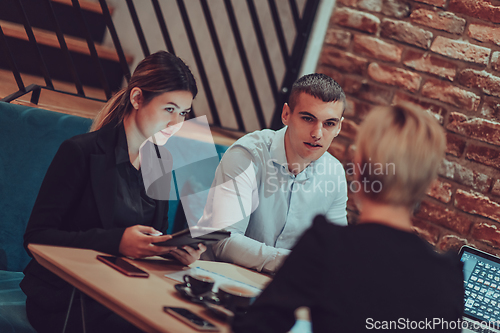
191	319
122	266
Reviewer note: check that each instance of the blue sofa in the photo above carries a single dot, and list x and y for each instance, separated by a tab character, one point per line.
29	139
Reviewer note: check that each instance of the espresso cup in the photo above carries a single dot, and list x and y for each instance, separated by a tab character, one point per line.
199	284
235	297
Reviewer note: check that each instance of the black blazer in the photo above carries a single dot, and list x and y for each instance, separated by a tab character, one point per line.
75	208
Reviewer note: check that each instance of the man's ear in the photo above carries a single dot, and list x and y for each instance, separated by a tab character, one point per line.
136	97
285	114
340	127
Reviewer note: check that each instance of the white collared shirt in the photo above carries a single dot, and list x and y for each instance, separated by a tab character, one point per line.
264	205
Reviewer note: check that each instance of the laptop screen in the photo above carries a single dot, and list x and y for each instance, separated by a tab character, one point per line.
482	285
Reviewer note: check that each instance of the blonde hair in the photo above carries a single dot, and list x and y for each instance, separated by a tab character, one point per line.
409	144
158	73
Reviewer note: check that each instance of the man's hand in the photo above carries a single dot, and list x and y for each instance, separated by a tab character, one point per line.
187	255
137	242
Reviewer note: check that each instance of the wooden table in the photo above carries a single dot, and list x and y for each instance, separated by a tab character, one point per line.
138	300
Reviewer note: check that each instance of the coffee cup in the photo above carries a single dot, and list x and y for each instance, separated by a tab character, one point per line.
235	297
199	284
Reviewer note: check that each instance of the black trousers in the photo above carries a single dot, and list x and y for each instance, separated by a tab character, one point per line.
98	318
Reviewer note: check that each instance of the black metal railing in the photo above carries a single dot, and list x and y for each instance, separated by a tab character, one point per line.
302	18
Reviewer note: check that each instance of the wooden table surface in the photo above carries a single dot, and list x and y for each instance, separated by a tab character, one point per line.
138	300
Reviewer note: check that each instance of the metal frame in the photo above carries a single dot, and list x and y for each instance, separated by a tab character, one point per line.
82	307
292	60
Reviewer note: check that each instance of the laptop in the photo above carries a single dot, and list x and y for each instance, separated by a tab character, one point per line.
482	291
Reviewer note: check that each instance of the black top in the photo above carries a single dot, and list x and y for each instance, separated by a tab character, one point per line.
135	206
347	275
76	207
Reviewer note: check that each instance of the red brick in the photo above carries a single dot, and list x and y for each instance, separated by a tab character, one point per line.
460	174
454	145
376	48
349	129
495	61
437	3
479	129
440	190
370	5
438	20
461	50
476	203
396	8
484	155
362	109
355	19
337	76
447	93
425	62
337	149
350	107
481	9
351	150
438	111
350	3
451	243
406	32
487	233
443	216
344	61
483	80
496	188
369	92
425	230
485	33
394	76
338	38
491	108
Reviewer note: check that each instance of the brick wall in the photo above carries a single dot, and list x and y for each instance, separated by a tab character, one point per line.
443	55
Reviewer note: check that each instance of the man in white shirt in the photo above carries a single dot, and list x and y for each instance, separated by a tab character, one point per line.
271	184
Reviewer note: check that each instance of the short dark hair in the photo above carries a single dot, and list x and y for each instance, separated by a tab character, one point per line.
318	85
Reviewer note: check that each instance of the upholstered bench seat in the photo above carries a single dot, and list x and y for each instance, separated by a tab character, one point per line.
12	304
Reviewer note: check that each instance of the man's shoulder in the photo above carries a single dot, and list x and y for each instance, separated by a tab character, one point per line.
257	138
256	141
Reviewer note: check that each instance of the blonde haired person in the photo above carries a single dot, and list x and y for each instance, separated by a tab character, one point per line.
376	274
93	195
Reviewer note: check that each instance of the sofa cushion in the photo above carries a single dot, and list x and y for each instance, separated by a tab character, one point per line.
29	140
12	304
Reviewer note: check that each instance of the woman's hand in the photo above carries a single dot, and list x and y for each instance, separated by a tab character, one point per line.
187	255
137	242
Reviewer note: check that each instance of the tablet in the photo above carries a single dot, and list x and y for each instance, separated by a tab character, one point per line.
183	237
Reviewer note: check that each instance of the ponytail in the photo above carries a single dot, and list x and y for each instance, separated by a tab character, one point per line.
113	109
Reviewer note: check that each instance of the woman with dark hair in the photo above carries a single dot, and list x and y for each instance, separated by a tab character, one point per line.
93	195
